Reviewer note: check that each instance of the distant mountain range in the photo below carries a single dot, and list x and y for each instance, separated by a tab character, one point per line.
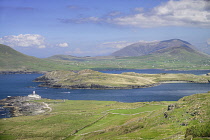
169	54
141	48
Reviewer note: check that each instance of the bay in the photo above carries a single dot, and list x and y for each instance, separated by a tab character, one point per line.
22	85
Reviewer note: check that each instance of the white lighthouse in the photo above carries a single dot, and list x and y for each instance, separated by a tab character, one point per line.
34	95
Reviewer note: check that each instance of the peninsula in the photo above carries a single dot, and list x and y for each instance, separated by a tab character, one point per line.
89	79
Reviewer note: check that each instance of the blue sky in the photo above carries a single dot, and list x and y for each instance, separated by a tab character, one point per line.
43	28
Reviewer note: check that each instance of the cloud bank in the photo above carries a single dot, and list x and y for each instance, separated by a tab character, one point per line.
24	40
172	13
63	45
29	40
208	41
115	45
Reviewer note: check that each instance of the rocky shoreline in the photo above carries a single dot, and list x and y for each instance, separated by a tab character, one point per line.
21	72
94	86
24	106
89	79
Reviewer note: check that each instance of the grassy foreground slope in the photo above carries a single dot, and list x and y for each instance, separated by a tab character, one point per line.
97	80
91	120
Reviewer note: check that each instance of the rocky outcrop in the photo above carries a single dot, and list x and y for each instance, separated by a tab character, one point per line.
20	72
23	106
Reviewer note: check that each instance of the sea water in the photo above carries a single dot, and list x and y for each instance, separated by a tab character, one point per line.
22	85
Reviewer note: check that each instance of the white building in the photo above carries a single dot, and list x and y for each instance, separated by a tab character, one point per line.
34	95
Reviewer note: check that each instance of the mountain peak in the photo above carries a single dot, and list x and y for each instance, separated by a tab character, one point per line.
176	40
145	48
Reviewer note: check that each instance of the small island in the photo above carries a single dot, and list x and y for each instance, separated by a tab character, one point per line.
89	79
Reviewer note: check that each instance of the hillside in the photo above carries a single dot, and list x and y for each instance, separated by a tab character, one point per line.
12	60
169	54
140	49
184	58
91	120
75	58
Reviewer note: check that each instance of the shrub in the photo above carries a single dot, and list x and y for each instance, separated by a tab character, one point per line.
199	131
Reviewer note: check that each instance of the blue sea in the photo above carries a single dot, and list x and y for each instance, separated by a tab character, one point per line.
22	85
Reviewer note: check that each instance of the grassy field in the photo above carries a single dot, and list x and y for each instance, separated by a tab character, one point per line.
76	120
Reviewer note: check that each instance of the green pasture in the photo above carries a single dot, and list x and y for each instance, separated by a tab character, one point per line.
92	120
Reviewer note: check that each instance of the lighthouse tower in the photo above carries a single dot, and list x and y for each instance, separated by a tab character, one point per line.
34	95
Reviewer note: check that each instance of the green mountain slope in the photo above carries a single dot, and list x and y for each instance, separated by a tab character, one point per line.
171	58
12	60
75	58
169	54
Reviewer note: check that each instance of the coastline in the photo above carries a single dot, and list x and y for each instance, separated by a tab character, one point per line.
24	106
89	79
97	87
22	72
118	69
168	82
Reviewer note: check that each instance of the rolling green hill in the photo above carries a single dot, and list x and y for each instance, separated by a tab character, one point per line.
12	60
75	58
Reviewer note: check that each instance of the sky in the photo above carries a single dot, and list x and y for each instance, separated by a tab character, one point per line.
43	28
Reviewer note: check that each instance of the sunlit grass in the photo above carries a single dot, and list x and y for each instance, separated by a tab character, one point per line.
70	119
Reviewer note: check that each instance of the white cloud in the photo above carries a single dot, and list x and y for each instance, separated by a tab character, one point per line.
114	13
82	20
116	45
139	9
78	51
171	13
63	45
89	52
42	46
24	40
143	41
208	41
